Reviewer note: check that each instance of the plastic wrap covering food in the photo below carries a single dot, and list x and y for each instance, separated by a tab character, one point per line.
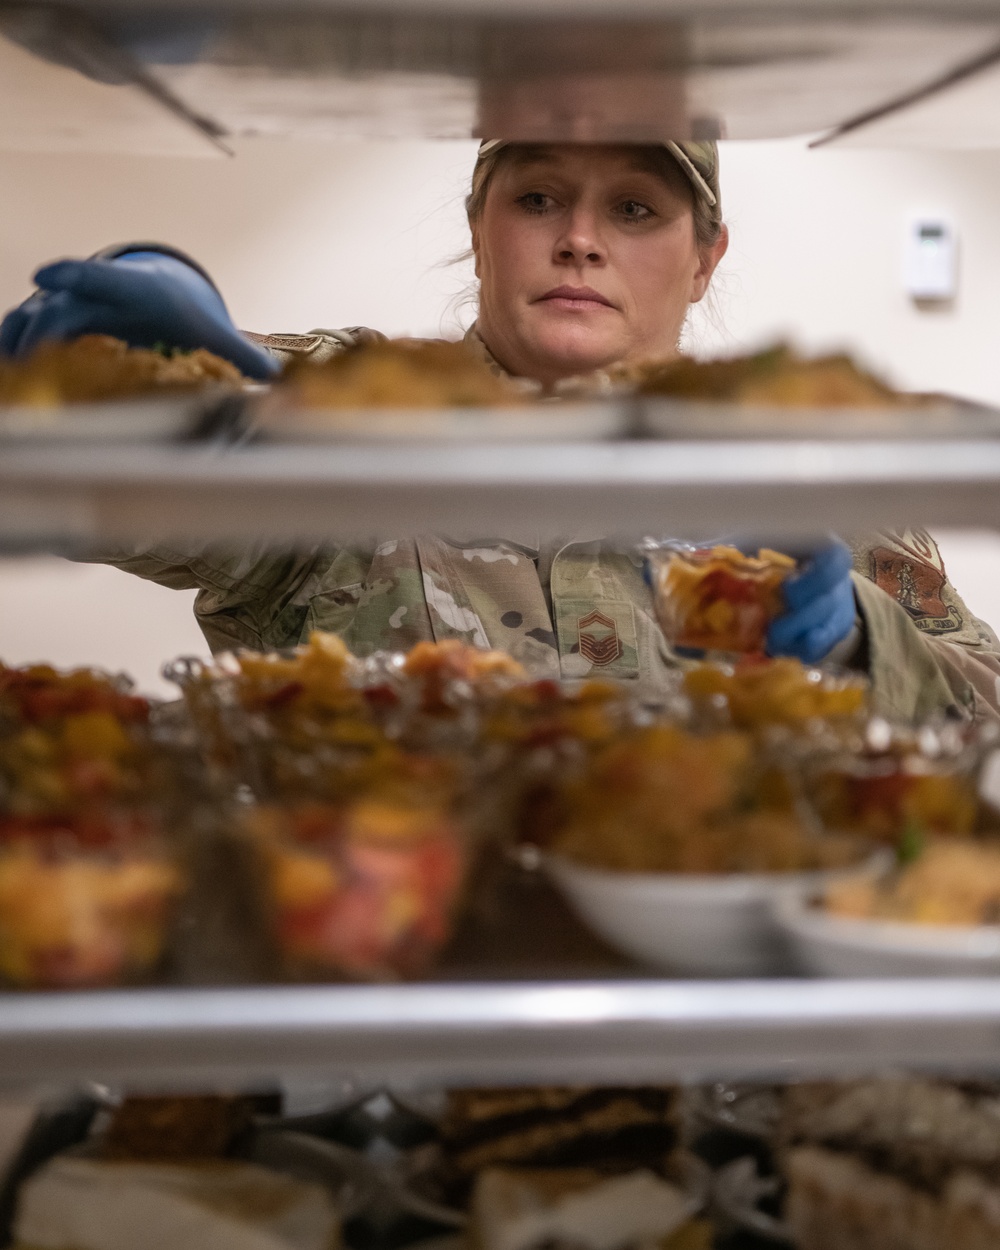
662	799
97	367
760	693
321	697
896	784
365	817
90	872
716	598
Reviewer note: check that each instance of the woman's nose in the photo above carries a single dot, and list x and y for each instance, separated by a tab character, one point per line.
580	242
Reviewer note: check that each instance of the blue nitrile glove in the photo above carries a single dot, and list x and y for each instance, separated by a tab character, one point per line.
822	611
148	299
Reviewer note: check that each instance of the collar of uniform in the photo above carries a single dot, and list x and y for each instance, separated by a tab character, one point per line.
593	385
474	341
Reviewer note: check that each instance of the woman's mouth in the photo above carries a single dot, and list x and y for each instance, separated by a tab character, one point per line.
575	298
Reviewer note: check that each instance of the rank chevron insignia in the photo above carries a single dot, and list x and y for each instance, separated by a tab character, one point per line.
599	641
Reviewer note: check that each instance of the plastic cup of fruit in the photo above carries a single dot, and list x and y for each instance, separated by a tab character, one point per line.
691	923
80	909
716	598
887	799
361	891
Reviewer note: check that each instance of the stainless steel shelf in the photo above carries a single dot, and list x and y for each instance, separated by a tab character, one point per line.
56	496
500	1033
582	70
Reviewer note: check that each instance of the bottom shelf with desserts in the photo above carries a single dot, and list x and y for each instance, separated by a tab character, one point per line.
899	1162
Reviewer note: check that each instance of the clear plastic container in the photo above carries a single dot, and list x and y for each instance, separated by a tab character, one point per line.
86	900
715	598
364	889
896	785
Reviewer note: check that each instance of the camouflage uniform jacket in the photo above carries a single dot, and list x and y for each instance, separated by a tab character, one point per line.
563	607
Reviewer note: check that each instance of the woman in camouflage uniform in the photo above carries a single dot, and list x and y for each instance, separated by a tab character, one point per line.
587	257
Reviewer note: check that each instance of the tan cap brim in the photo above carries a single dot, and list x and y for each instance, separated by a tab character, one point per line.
676	151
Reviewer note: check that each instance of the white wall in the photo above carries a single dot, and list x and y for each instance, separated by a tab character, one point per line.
816	253
300	235
295	235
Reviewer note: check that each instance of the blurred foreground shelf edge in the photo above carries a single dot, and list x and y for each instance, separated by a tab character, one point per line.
75	497
183	79
524	1032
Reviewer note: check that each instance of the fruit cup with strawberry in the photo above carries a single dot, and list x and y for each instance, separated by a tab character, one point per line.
716	598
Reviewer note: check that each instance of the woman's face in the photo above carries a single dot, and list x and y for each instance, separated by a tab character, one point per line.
585	257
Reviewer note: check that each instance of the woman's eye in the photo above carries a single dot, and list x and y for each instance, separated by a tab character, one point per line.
534	202
632	210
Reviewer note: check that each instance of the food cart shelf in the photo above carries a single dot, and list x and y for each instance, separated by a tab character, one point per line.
431	1034
73	497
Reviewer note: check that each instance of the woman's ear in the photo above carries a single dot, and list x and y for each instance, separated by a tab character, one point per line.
709	258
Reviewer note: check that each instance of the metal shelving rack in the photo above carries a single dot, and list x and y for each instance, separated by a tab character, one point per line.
79	495
746	67
432	1035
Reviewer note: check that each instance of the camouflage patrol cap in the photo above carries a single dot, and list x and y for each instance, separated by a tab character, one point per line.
699	159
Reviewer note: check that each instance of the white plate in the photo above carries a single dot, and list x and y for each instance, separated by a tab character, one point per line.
121	420
715	925
693	419
840	946
555	422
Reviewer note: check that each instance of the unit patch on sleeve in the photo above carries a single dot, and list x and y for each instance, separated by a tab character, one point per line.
912	572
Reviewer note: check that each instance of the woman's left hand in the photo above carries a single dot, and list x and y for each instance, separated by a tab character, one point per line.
822	611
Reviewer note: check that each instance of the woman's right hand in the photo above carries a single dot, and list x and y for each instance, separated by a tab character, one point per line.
147	298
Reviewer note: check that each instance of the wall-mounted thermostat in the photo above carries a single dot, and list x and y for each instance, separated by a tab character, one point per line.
930	265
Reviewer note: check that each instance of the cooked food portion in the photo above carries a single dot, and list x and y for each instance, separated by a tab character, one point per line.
400	373
759	692
777	377
838	1200
97	368
918	1128
528	1209
717	598
175	1128
950	882
661	799
612	1130
97	1204
902	1164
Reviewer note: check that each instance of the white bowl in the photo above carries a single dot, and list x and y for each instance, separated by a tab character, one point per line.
841	946
713	925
